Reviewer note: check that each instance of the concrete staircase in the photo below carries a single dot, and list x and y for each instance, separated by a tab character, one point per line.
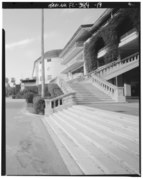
94	142
86	93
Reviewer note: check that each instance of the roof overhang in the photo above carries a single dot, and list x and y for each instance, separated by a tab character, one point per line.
77	48
130	47
73	67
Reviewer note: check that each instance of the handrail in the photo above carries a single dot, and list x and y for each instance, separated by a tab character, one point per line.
60	97
59	103
113	91
116	93
99	81
104	81
62	101
111	64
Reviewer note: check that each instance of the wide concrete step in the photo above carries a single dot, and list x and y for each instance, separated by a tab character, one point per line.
85	95
84	103
130	129
119	116
86	98
109	131
101	156
92	99
83	159
71	164
105	146
94	141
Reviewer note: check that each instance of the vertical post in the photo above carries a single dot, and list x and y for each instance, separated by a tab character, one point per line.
42	56
116	80
84	69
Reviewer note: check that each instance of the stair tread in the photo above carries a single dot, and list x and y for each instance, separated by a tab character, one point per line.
108	130
86	93
86	163
69	161
102	158
104	145
124	140
97	142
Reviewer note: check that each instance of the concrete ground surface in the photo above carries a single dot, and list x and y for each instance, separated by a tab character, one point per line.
33	143
29	148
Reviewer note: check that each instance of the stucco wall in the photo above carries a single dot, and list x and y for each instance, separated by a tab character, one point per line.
52	68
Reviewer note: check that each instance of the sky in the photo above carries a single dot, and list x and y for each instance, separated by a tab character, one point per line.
23	34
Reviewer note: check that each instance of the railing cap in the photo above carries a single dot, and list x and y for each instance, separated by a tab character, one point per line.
60	97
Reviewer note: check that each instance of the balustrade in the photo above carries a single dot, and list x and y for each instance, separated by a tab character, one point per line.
116	93
63	101
116	65
68	99
59	103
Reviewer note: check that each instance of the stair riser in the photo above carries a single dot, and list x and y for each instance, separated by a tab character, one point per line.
87	93
78	136
79	153
85	142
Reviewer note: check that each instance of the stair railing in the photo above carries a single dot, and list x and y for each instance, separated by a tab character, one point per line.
115	65
116	93
104	70
63	101
58	103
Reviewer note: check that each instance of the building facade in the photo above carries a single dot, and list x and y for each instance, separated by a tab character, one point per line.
53	66
73	53
112	39
109	48
115	37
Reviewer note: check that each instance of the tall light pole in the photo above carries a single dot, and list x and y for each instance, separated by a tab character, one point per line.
42	57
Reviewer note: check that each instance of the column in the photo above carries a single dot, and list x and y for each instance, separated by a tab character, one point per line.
119	81
84	69
127	89
70	75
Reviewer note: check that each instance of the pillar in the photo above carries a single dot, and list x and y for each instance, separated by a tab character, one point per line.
70	75
127	89
119	81
84	69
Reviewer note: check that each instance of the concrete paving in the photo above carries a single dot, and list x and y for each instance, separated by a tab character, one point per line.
29	147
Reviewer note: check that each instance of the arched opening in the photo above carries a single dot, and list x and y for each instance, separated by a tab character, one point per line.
101	51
